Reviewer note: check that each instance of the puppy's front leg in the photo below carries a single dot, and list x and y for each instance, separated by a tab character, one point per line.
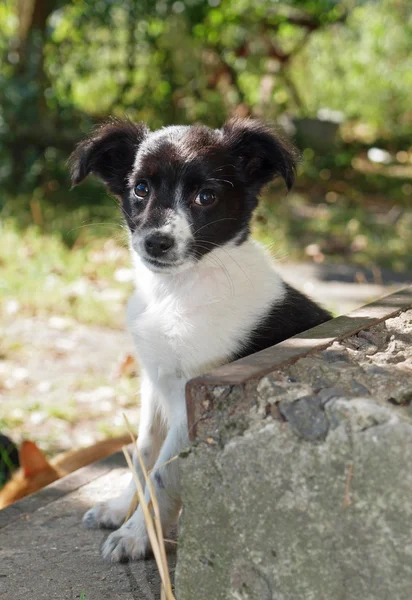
111	514
131	540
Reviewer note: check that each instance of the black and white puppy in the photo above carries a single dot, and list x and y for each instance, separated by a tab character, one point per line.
206	294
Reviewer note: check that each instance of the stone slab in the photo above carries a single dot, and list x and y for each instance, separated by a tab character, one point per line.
298	484
45	553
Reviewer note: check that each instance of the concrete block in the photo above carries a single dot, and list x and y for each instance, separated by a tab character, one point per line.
299	483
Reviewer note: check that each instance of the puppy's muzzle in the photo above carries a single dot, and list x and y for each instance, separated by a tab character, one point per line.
158	244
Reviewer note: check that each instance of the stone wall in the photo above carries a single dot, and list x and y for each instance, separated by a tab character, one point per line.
299	483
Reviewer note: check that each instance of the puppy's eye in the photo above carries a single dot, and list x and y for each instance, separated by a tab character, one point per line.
205	198
141	190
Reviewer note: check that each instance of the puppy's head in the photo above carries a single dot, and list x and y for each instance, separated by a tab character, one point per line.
184	190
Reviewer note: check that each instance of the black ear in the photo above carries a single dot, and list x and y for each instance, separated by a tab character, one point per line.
109	153
263	154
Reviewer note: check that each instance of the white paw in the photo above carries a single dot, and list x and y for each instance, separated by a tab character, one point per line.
128	543
108	515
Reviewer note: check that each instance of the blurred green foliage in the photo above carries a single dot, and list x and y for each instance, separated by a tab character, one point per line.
67	64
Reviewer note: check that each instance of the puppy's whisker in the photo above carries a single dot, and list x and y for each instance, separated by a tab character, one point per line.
230	256
213	222
228	278
124	211
121	206
269	246
92	224
223	268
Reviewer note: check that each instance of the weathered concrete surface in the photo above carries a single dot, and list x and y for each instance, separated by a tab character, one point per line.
300	486
45	554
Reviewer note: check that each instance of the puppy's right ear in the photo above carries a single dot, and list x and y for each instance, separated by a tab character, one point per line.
109	153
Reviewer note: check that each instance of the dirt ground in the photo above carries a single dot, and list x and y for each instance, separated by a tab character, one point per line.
65	384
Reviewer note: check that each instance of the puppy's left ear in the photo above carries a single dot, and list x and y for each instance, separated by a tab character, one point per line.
109	153
263	154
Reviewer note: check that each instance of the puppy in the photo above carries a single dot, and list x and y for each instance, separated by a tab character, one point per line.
206	294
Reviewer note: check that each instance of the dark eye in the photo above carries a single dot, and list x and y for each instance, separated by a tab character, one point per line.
141	189
205	198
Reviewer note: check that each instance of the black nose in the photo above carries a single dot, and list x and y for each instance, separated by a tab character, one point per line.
158	244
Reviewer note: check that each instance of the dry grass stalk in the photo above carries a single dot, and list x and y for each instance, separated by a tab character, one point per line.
153	526
133	506
135	500
156	511
167	462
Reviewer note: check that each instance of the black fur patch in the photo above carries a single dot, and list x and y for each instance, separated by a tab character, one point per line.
295	314
263	156
108	153
159	480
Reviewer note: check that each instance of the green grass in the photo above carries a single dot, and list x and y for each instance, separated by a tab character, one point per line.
68	413
41	275
367	232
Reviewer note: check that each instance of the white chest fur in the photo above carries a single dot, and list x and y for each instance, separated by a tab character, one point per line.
186	323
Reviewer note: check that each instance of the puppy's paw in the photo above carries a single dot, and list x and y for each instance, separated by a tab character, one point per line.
125	544
107	515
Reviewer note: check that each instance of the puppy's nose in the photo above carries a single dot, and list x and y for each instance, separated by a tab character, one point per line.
158	244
